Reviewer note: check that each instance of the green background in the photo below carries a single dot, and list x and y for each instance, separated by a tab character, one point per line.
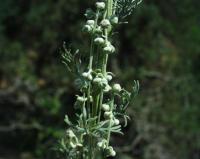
160	47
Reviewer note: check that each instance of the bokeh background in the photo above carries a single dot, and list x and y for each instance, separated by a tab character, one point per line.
160	47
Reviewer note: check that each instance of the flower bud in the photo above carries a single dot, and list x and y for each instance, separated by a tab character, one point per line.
109	49
99	41
109	77
107	88
100	5
105	23
87	28
117	88
90	22
97	80
108	115
102	144
91	99
116	121
87	75
111	152
105	107
81	99
114	20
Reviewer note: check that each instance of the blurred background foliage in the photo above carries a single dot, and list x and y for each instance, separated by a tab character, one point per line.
160	46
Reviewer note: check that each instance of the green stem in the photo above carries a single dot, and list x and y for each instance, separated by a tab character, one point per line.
111	109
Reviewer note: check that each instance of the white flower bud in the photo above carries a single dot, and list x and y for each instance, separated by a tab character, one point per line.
102	144
109	49
111	152
116	121
81	99
117	88
87	75
108	115
105	107
87	28
109	77
114	20
104	81
99	41
90	22
107	88
105	23
100	5
97	80
91	99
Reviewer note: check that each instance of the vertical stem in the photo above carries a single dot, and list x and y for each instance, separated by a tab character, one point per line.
111	109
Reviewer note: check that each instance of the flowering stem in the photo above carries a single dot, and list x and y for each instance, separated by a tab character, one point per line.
98	117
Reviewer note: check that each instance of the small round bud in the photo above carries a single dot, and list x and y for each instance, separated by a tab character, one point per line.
107	88
100	5
117	88
108	115
111	152
105	23
87	75
109	77
116	121
104	82
97	80
102	144
91	99
109	49
81	99
105	107
99	41
114	20
90	22
87	28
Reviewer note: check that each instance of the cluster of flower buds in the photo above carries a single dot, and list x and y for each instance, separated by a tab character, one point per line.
73	140
87	75
102	82
102	144
109	48
110	152
108	114
97	29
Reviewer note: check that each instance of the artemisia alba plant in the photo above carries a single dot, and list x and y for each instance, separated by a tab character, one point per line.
101	103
